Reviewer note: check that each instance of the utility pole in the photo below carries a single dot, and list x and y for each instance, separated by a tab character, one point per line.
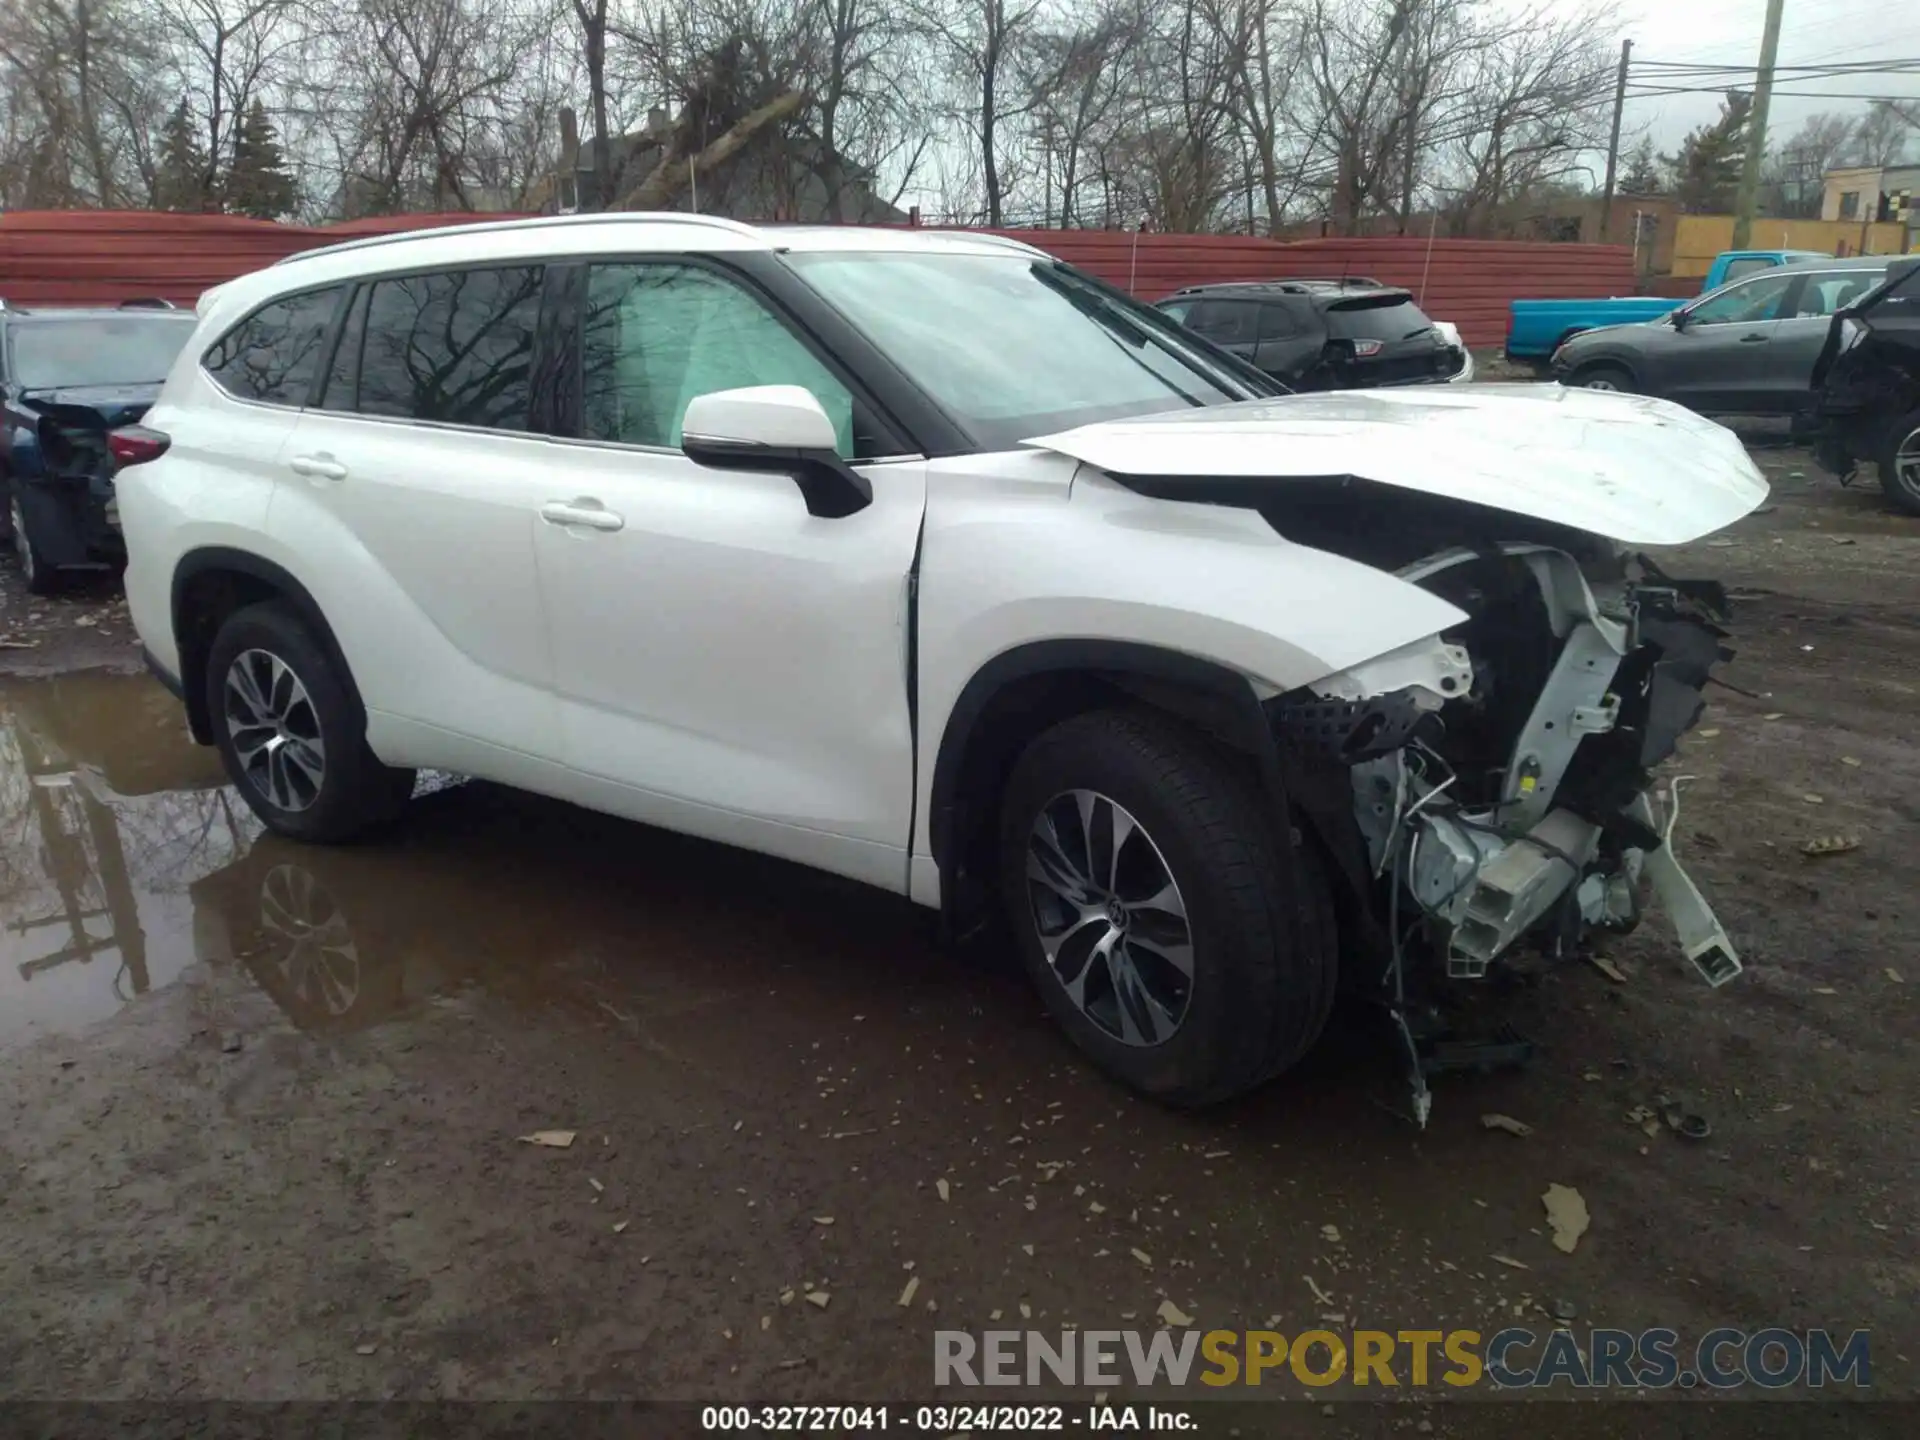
1749	193
1613	143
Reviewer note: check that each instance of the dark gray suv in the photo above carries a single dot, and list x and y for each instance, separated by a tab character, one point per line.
1747	348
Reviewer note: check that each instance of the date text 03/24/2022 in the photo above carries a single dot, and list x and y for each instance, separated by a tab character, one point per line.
1095	1419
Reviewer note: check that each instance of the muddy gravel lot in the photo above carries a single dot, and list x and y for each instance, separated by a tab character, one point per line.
261	1106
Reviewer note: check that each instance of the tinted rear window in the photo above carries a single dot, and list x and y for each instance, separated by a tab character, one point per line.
273	355
1394	320
52	353
456	347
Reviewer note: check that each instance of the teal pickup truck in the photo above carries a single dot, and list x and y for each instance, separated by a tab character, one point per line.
1536	328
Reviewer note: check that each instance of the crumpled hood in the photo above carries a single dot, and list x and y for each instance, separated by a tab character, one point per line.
1636	470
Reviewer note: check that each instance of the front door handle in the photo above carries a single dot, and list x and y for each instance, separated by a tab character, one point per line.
585	512
317	467
1756	339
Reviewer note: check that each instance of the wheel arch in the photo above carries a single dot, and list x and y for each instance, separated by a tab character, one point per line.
211	583
1023	691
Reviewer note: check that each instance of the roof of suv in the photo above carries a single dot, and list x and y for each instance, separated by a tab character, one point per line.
1312	289
651	230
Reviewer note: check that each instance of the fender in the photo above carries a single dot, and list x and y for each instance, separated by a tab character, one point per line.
267	577
1198	690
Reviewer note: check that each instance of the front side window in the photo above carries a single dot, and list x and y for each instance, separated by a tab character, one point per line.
1011	346
51	353
1744	304
455	348
657	335
273	355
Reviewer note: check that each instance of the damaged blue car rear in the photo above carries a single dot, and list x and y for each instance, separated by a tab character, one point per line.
68	379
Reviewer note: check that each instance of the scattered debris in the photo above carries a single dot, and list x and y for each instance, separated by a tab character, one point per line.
1330	1234
1216	1155
818	1299
1895	976
853	1134
906	1295
365	1349
1813	799
1830	845
1774	715
230	1043
1094	1207
941	1186
1142	1256
598	1187
1561	1309
1174	1315
1607	968
1322	1296
1825	990
552	1139
823	1219
620	1226
1496	1121
1512	1263
766	1322
1567	1214
1851	761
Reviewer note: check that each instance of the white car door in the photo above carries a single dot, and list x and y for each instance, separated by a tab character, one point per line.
418	479
726	664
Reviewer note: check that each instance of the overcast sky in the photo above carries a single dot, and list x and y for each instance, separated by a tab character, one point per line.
1727	32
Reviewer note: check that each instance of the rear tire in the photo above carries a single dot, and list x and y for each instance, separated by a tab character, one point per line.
1900	463
291	734
1616	378
1242	903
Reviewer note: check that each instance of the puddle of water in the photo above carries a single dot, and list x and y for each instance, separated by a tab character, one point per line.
108	812
125	859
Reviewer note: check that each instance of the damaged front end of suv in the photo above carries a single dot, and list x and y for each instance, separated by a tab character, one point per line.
1488	789
1493	788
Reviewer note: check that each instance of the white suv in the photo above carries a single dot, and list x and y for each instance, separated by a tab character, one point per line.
929	561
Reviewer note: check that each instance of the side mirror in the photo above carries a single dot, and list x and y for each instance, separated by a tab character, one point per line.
778	430
1680	320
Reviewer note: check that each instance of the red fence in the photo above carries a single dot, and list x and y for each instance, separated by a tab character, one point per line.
102	257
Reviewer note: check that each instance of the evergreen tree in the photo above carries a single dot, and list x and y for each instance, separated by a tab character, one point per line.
1641	175
1706	171
258	183
180	177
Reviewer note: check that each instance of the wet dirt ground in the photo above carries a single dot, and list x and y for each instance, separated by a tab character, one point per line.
260	1104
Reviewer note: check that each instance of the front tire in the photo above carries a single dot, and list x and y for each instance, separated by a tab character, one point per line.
1615	378
1149	894
1899	463
290	733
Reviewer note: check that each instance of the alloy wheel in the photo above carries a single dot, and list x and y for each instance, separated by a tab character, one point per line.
1906	462
274	730
1110	917
1600	382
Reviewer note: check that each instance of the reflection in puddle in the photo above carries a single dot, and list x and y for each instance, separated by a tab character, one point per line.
124	859
108	812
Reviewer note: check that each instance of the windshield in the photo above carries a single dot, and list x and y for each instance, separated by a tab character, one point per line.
1385	319
52	354
1013	347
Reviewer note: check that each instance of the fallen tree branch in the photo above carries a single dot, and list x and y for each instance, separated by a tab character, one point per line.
671	175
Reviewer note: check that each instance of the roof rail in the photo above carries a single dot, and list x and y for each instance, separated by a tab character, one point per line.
537	222
148	302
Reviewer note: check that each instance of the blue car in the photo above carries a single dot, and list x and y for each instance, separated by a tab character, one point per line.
67	379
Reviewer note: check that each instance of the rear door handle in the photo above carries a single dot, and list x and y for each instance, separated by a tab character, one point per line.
587	513
317	467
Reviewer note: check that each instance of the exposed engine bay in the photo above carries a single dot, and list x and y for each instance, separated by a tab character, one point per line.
1499	775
